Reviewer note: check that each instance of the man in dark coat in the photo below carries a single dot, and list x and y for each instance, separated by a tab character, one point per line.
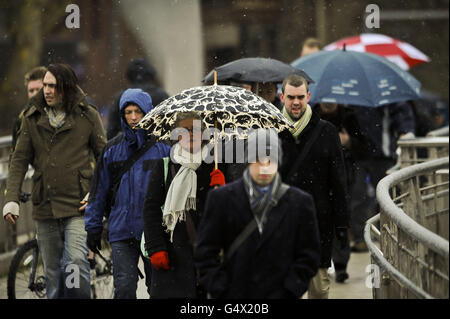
319	170
280	254
383	126
140	74
355	147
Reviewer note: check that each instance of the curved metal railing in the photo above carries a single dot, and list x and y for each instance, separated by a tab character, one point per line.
421	149
413	247
443	131
10	235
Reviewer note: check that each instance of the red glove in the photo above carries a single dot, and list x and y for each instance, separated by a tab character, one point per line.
217	178
160	260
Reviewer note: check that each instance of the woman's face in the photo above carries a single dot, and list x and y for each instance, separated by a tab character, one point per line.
190	136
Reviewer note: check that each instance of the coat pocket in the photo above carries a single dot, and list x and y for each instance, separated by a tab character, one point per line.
36	194
85	176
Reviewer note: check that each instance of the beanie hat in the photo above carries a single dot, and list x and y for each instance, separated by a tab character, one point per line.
263	143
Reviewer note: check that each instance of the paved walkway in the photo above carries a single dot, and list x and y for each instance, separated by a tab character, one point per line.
353	288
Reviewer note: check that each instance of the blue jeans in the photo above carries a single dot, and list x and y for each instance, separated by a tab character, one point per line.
125	257
62	244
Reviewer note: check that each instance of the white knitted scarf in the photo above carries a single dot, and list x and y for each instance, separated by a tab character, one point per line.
181	196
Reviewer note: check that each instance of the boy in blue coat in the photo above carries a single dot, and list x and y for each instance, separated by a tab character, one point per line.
125	219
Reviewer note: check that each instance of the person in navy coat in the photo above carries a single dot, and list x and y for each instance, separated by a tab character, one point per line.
282	253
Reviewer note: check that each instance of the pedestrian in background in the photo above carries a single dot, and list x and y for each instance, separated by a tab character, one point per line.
33	83
310	46
313	161
382	126
59	132
125	218
267	231
140	74
354	147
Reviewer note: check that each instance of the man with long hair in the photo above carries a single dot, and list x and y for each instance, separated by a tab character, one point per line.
59	132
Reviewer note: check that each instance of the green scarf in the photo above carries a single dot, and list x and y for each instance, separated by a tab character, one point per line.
301	123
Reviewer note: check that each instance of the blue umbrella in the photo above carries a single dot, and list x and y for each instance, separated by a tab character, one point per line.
357	78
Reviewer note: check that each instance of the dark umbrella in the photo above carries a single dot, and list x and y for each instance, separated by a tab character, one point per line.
263	70
357	78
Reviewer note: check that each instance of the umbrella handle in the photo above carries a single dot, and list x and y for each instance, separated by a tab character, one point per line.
215	145
215	130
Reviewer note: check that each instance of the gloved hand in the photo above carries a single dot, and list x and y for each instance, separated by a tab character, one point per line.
342	237
160	260
94	241
11	211
217	178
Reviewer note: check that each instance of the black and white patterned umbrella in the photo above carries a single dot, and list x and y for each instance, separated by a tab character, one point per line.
235	109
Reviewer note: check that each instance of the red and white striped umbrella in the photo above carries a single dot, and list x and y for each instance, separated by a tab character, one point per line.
401	53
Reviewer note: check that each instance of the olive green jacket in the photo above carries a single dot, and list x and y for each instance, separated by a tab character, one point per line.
62	158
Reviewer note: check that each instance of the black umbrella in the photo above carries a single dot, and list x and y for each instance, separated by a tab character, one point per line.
263	70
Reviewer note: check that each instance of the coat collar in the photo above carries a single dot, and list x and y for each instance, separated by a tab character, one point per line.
38	103
287	136
274	217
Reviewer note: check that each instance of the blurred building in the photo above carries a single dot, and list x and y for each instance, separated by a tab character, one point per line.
185	39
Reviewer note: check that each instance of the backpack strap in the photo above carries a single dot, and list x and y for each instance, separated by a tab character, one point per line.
117	177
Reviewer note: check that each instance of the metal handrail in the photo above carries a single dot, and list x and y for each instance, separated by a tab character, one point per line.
406	223
385	264
443	131
5	141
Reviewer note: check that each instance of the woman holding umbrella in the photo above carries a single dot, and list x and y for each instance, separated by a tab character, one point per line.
232	112
170	234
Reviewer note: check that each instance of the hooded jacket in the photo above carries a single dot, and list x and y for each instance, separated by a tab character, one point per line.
125	220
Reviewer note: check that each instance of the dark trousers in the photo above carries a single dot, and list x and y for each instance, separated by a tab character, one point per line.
363	205
125	257
340	256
